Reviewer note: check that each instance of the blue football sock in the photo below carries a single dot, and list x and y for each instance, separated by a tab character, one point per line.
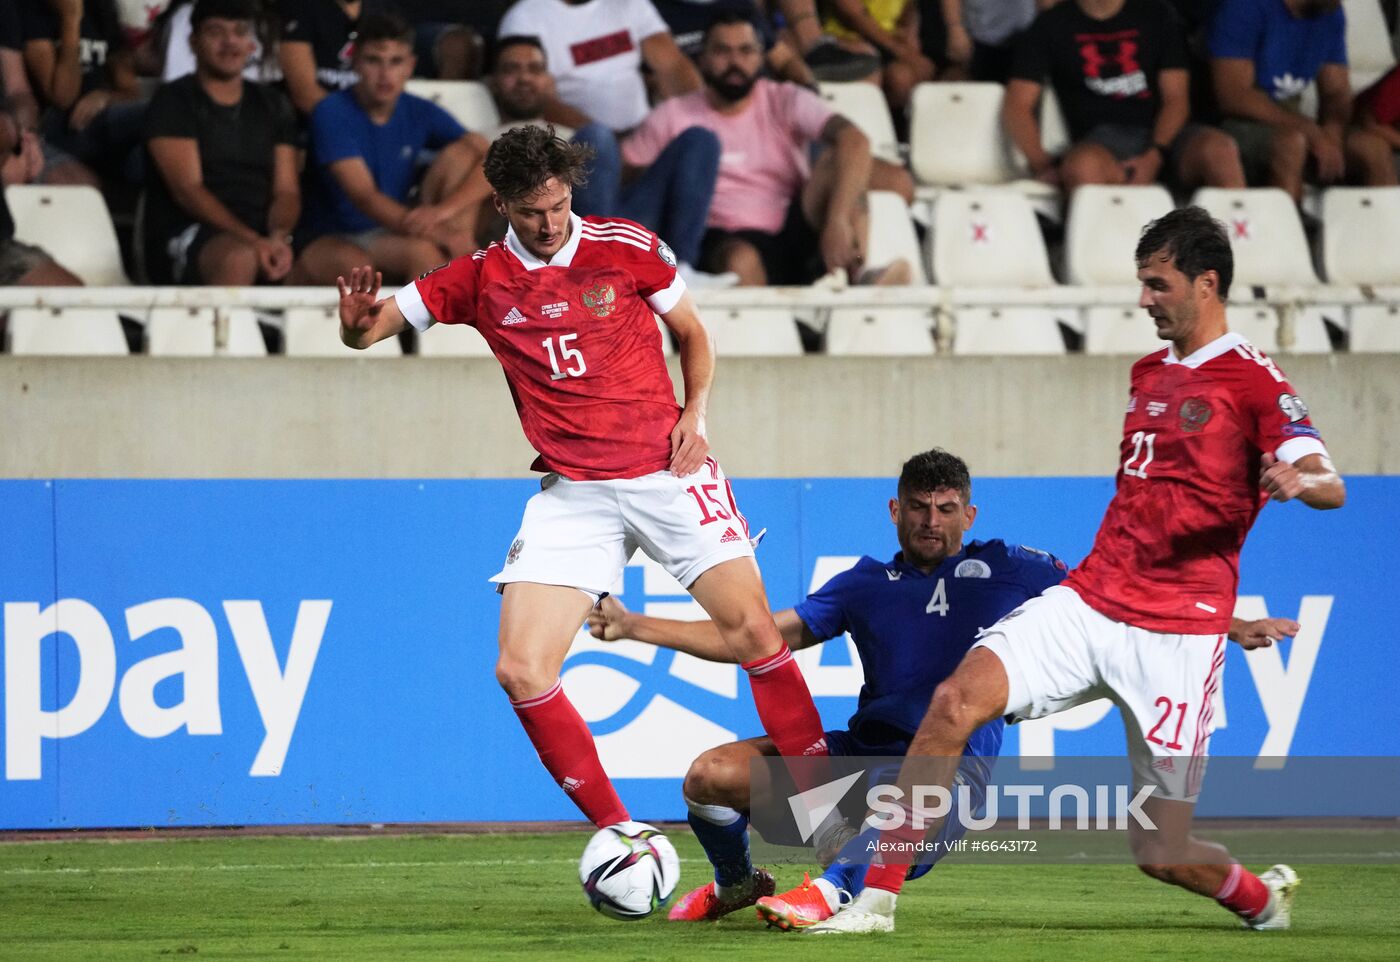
724	835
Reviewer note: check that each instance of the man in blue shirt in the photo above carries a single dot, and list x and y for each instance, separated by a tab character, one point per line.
366	146
912	619
1264	53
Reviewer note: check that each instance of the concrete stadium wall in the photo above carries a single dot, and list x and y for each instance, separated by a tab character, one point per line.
146	417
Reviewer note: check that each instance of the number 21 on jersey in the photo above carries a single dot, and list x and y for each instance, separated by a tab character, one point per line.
571	356
1136	465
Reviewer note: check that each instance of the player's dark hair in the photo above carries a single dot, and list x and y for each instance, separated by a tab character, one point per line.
514	40
382	25
727	18
222	10
1196	243
522	159
935	470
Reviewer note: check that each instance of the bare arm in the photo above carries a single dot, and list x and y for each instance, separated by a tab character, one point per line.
15	83
285	208
299	69
611	621
785	63
1019	119
557	112
1311	479
354	177
365	320
1233	79
675	74
853	163
1384	131
55	67
177	159
1333	98
1173	88
689	444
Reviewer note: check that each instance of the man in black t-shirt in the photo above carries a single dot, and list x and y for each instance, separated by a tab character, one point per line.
222	195
318	43
1118	69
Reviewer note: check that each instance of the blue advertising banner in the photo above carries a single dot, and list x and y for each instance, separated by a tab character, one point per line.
267	652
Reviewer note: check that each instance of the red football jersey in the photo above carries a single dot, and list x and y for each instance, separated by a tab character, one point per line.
1166	557
577	339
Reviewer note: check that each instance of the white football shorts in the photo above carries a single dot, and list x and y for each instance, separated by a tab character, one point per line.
582	533
1059	652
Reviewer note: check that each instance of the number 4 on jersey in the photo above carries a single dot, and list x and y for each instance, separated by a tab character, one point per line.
938	604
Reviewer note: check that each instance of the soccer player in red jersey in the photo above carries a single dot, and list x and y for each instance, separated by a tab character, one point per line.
567	305
1213	430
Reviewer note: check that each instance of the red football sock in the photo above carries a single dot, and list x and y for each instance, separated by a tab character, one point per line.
785	705
887	876
565	745
1243	893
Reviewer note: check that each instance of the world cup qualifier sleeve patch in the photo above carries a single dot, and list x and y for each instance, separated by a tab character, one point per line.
665	253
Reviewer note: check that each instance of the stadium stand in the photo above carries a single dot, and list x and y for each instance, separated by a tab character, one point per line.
1265	233
203	332
987	238
891	233
454	340
1361	235
1010	330
1118	330
884	332
864	105
1369	50
1259	325
45	216
74	331
1375	328
755	331
1103	229
468	101
315	332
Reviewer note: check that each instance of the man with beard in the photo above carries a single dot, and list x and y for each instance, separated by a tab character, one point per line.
672	196
775	219
1264	53
222	194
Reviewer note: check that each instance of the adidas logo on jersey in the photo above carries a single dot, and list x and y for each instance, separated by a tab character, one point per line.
514	317
729	536
571	784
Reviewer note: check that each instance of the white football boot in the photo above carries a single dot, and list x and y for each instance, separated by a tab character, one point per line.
1277	915
872	911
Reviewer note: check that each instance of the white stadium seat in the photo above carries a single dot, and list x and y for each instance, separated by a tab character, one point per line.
180	332
1375	329
955	135
1265	234
988	238
245	337
1008	330
1361	235
315	332
1369	53
74	226
1120	330
754	332
881	331
1054	132
1258	324
469	101
453	340
865	106
1310	328
891	233
1103	230
67	331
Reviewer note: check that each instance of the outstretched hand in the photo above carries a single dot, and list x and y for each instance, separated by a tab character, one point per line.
358	297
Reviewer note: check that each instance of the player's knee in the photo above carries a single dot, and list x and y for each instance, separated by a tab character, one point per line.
521	679
711	779
952	709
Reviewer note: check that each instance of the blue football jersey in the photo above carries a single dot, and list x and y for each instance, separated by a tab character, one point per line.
912	629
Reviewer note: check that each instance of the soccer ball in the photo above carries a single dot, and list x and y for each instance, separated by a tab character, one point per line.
629	870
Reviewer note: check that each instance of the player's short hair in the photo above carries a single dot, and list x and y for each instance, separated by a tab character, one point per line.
727	18
1196	243
935	470
222	10
514	40
522	159
382	25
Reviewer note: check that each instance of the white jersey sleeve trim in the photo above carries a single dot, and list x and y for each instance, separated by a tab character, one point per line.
667	298
1294	449
410	302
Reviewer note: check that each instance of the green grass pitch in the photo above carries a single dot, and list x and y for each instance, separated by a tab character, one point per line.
517	897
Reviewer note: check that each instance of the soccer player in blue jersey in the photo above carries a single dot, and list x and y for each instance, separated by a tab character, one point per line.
912	619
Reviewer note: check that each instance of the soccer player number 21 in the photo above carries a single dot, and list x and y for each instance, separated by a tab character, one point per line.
1136	465
567	354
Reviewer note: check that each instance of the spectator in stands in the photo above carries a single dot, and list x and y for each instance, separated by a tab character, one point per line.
1118	68
1378	111
890	27
318	43
263	66
14	83
825	57
1264	53
222	195
982	34
596	51
687	20
366	143
83	72
447	48
775	219
671	196
21	264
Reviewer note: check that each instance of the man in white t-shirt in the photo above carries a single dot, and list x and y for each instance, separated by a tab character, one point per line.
595	50
775	218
